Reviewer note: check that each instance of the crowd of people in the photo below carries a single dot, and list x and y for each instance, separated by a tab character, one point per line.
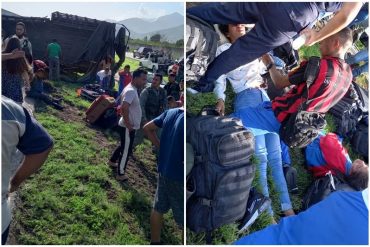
241	61
143	109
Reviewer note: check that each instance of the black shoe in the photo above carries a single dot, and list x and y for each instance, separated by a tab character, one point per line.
290	174
257	203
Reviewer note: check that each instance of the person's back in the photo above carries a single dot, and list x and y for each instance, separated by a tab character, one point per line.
54	50
325	154
340	219
20	131
171	155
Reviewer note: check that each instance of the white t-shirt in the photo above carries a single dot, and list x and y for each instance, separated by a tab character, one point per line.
131	96
246	76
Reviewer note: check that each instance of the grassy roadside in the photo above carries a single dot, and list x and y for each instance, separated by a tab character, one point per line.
74	198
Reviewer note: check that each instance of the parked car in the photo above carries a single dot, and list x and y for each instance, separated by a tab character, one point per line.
155	62
142	52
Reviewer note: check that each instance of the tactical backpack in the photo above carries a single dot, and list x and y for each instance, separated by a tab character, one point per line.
322	187
360	140
350	110
222	174
302	127
201	45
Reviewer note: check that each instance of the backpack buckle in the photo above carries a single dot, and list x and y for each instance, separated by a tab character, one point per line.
205	202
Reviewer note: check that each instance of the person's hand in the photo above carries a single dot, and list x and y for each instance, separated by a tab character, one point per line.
220	107
311	36
16	53
129	126
266	59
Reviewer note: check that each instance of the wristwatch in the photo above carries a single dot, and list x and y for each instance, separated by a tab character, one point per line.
269	66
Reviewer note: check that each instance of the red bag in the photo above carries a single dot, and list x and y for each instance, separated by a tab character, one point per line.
99	107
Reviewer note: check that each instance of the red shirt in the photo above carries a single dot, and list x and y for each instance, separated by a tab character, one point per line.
127	77
331	84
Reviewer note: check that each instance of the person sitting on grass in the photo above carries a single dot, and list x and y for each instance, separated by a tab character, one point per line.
103	78
247	84
170	185
37	85
326	154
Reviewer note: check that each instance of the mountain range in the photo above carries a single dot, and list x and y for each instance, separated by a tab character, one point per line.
171	27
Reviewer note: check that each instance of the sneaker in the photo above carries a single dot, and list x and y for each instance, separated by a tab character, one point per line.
122	178
112	164
257	203
290	174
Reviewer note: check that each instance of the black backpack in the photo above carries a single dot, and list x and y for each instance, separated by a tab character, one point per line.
201	45
222	174
322	187
360	140
350	110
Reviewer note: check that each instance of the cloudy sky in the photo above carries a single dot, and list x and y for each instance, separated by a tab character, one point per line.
101	11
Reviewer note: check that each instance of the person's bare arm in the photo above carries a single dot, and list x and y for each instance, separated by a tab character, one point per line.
29	166
125	115
342	19
280	81
13	55
150	130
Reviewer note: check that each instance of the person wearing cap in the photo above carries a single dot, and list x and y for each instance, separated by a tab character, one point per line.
54	55
170	185
37	85
172	87
275	24
26	46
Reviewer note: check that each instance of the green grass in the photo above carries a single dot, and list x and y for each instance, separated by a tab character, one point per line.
74	198
228	233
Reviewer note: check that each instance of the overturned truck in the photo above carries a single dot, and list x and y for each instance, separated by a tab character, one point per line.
84	41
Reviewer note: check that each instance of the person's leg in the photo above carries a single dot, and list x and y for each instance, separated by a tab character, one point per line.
362	55
126	144
274	161
116	156
160	206
4	236
249	98
261	153
285	156
50	69
361	69
156	222
57	69
175	193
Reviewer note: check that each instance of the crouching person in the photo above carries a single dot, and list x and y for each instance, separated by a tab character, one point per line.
170	186
37	85
19	131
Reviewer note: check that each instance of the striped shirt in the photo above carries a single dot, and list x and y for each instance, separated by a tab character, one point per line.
331	84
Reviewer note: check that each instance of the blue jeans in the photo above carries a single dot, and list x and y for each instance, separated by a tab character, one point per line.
362	55
267	147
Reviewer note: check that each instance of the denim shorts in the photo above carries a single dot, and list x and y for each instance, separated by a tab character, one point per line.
170	195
